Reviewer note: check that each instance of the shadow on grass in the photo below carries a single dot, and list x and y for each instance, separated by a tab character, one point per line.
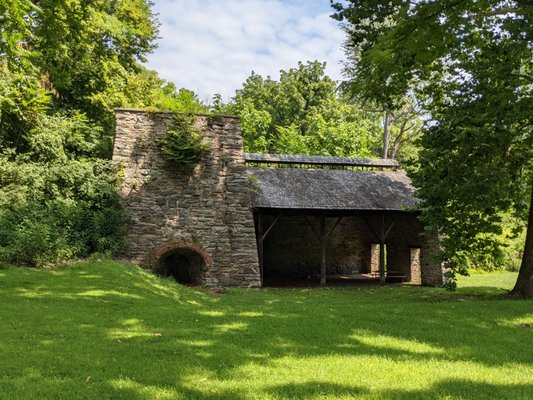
449	389
463	389
141	337
315	389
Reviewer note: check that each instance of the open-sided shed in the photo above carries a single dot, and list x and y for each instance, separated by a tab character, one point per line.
330	217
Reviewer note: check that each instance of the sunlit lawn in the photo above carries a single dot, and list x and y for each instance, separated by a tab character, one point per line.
111	331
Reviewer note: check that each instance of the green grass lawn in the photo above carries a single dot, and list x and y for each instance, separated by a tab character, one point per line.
111	331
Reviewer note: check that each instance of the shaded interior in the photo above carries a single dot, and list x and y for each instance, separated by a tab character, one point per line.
185	265
292	249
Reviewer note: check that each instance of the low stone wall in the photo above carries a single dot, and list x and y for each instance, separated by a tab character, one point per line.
207	207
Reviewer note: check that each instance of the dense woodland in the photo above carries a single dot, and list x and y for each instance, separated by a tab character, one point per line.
445	87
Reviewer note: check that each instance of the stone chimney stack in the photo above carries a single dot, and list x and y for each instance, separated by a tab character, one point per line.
194	223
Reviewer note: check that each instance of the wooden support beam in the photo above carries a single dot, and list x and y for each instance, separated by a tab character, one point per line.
382	252
312	227
323	250
261	237
390	227
265	235
371	228
322	236
260	240
333	227
381	237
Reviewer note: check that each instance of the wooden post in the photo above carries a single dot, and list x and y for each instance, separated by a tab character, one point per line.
323	250
260	241
382	252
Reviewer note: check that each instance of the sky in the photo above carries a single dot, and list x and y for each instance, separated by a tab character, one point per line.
212	46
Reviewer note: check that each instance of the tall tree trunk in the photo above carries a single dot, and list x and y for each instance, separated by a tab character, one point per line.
396	146
524	283
386	134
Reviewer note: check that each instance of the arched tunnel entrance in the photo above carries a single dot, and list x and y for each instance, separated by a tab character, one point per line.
186	264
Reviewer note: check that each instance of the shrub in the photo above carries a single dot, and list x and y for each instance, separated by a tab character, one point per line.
58	199
183	144
34	234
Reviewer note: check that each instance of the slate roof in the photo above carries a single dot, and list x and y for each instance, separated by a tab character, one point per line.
330	189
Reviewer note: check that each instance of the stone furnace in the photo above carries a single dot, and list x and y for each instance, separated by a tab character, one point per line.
248	220
195	223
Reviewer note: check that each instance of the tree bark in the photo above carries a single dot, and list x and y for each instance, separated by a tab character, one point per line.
524	283
386	134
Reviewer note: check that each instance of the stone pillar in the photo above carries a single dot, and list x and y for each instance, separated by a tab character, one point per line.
432	272
206	206
374	258
415	271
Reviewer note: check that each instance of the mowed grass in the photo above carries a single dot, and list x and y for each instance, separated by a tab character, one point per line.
111	331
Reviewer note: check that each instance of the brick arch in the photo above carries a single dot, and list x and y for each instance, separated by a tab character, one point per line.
197	256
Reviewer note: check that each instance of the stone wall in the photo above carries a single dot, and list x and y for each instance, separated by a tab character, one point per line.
206	207
416	273
406	233
374	258
431	271
206	211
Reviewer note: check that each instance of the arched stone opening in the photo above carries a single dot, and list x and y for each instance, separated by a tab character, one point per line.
186	263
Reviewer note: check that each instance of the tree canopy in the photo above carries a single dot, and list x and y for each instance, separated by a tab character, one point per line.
470	65
64	67
303	114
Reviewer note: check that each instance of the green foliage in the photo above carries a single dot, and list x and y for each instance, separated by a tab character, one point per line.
183	144
182	101
14	29
51	210
64	67
35	234
22	102
513	253
83	45
87	54
141	88
302	114
54	190
470	65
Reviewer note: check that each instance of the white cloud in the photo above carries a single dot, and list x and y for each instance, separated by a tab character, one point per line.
211	46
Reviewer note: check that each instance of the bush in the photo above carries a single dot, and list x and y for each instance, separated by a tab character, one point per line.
58	199
183	143
34	234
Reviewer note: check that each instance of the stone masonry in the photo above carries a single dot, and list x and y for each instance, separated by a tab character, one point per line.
203	216
205	209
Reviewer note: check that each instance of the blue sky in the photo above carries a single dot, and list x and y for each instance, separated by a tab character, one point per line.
212	46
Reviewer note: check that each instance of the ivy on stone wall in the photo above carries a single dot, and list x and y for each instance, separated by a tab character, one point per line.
183	143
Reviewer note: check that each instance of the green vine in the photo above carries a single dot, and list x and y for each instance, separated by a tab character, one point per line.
183	143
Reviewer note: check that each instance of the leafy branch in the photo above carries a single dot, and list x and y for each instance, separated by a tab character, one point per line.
183	143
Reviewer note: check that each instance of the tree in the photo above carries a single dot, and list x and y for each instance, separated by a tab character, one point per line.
302	114
401	126
82	46
470	64
64	67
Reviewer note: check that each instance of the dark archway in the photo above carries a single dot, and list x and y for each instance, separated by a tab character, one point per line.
186	263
